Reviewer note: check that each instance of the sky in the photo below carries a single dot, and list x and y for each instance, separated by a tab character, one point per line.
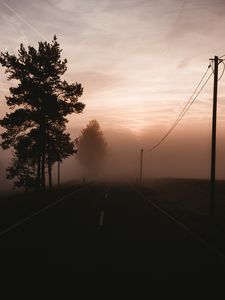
138	60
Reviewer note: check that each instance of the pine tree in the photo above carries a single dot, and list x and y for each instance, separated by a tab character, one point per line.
40	103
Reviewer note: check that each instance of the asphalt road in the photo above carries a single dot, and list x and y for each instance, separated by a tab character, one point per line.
109	228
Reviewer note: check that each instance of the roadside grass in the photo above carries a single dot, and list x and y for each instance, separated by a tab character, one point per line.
188	200
18	205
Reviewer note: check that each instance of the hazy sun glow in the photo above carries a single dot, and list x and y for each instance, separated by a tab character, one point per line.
138	60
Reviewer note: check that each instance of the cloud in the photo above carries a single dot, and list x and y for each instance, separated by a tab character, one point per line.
95	82
137	59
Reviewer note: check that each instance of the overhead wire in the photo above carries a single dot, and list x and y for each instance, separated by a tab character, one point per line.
220	61
185	109
222	72
194	92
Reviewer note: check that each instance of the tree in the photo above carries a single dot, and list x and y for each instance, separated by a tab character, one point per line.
40	103
23	173
91	147
60	147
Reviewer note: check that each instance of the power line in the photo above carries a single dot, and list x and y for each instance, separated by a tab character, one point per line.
193	93
219	62
185	109
222	72
180	117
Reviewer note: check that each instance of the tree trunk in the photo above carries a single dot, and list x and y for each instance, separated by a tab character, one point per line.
49	162
43	170
43	155
50	175
39	171
58	173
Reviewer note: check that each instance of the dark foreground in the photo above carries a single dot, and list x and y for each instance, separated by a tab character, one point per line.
110	228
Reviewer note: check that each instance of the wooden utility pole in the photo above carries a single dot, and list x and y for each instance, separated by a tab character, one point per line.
213	149
141	163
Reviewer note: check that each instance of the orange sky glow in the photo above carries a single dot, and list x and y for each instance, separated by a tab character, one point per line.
138	60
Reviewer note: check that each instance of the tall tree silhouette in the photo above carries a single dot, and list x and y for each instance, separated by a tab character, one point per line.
60	147
92	147
40	103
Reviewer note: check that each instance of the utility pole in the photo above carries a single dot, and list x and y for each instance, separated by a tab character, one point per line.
213	149
141	163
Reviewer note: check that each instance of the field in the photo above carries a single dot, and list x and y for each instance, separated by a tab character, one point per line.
188	200
16	205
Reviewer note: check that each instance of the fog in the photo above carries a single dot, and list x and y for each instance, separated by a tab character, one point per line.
184	154
143	86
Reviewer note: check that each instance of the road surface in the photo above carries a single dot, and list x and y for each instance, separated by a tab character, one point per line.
109	228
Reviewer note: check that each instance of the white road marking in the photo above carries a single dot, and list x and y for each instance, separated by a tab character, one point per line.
101	218
180	224
4	231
